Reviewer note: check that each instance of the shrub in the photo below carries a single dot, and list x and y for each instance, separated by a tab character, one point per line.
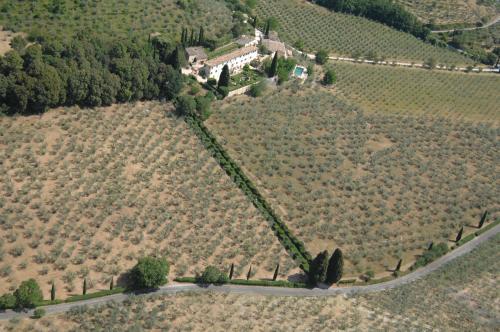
212	275
39	313
319	267
321	57
28	294
431	255
150	272
335	267
258	89
7	301
185	105
330	77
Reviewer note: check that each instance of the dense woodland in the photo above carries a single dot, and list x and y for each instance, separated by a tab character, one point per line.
384	11
86	71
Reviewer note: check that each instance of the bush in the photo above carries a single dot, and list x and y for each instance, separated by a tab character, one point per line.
39	313
150	272
431	255
258	89
213	275
28	294
7	301
330	77
321	57
185	105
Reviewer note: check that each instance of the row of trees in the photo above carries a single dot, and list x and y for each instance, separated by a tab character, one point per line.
87	71
384	11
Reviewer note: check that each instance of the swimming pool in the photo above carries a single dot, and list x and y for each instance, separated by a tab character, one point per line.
299	71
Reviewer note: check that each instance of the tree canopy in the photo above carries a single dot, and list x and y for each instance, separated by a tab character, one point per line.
150	272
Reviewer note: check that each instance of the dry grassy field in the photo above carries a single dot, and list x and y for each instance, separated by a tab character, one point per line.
458	96
463	296
379	186
83	193
451	11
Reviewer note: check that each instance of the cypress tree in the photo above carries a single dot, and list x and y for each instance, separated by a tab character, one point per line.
191	40
430	246
319	268
398	267
53	292
249	274
335	267
201	37
274	66
183	37
225	77
179	57
254	23
276	272
459	235
84	286
231	271
483	219
266	30
111	284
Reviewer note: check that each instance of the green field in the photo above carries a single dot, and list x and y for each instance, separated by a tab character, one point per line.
415	91
342	34
115	18
462	296
379	186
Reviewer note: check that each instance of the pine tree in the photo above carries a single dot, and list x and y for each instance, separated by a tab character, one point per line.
398	267
483	219
53	292
111	284
459	235
319	267
275	276
201	37
335	267
231	271
249	274
225	77
84	286
274	66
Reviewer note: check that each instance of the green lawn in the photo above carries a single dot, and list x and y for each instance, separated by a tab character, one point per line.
244	78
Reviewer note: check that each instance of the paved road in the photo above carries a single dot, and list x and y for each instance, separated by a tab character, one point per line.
278	291
495	20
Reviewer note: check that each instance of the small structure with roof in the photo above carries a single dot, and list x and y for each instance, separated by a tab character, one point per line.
196	55
235	60
274	46
246	41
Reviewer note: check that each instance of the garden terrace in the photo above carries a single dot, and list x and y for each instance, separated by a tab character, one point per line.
378	186
84	193
409	91
347	35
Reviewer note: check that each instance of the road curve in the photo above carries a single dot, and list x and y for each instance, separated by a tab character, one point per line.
495	20
277	291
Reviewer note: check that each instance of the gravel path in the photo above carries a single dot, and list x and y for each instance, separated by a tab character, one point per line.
495	20
277	291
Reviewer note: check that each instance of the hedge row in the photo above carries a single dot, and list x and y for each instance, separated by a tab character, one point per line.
477	233
267	283
294	246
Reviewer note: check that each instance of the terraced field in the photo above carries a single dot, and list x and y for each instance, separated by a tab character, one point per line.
116	18
461	296
379	186
84	193
453	95
319	28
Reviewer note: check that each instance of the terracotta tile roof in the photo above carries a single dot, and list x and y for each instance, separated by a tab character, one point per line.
229	56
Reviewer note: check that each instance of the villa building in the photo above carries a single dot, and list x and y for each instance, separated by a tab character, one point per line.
246	41
235	60
274	46
196	55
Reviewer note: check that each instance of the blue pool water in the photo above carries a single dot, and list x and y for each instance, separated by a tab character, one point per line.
299	71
